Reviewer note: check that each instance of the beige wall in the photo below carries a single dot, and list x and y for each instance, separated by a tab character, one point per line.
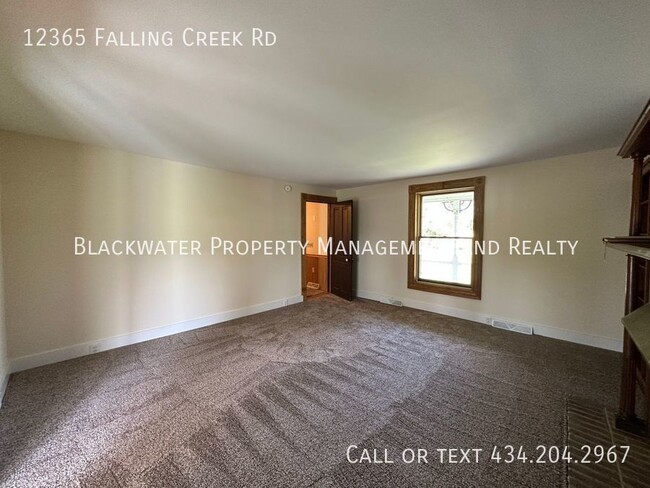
4	357
316	227
583	196
53	191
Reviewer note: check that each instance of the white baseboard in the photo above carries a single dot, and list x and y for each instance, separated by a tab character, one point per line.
83	349
538	329
78	350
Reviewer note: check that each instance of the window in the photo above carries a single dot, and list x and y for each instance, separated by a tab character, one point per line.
445	221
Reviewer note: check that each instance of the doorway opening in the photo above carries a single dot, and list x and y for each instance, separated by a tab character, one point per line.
315	233
327	267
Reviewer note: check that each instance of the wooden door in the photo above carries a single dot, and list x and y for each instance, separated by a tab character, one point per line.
342	262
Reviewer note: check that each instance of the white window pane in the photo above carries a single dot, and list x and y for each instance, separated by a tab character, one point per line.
448	215
446	260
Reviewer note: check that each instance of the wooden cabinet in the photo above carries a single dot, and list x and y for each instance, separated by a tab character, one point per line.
636	342
312	269
316	270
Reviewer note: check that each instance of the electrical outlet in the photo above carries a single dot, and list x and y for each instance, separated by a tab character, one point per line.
94	348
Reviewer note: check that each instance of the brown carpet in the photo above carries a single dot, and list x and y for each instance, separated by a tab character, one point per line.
275	399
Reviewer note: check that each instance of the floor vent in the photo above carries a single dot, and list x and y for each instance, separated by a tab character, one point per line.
392	301
522	329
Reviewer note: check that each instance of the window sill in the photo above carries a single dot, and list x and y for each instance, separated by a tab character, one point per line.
446	289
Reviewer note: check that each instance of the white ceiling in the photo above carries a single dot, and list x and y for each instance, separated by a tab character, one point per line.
353	92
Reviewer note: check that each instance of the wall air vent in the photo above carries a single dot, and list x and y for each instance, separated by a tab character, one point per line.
522	329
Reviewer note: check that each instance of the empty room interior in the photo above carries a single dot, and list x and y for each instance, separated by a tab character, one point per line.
325	244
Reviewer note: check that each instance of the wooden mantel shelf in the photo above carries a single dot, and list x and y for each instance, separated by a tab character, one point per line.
632	246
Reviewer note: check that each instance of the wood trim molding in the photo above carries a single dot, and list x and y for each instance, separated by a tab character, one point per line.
637	183
307	197
474	290
633	145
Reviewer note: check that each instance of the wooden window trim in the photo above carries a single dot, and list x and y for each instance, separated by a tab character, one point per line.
415	192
